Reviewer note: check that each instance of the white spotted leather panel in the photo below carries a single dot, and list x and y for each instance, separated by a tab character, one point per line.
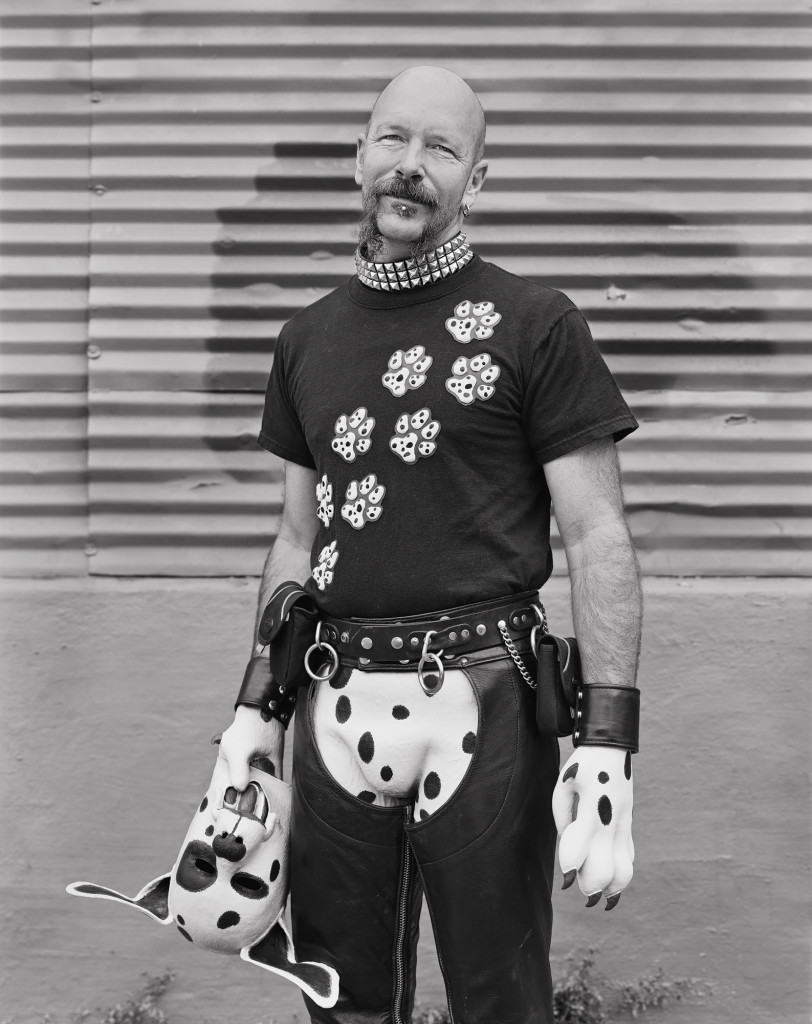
387	742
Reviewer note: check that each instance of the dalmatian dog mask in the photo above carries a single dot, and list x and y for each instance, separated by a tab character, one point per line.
228	888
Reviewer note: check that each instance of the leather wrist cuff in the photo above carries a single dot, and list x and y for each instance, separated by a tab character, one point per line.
260	690
607	716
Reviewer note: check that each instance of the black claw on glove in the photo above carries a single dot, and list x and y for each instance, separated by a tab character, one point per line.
593	899
569	878
611	901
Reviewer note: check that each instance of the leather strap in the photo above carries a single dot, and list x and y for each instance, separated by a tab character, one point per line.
454	630
607	716
559	675
259	689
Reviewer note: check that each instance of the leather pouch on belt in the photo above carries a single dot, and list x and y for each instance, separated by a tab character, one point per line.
559	672
288	627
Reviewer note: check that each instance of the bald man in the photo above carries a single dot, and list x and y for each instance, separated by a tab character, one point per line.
428	411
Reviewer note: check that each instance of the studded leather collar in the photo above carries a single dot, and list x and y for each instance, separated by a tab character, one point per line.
413	273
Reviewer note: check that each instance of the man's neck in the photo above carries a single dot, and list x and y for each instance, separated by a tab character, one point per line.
413	272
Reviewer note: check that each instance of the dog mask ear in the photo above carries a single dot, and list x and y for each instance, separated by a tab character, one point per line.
153	900
274	952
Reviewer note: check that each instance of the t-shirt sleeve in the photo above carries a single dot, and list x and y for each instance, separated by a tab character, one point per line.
572	398
281	429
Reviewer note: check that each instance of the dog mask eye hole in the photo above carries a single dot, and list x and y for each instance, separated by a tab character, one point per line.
197	867
250	886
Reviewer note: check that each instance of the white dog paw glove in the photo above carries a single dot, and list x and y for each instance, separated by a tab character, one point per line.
592	806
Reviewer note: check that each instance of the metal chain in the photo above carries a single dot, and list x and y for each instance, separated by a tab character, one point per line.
511	648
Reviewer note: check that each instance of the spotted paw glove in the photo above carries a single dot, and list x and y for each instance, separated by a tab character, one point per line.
592	806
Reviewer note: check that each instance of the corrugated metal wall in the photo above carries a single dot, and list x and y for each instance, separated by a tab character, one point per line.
650	159
45	222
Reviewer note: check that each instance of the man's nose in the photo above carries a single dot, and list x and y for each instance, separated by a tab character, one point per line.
410	164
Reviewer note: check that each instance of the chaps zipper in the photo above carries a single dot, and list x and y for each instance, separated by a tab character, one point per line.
402	925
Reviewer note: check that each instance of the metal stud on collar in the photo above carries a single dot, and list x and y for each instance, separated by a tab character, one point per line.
412	273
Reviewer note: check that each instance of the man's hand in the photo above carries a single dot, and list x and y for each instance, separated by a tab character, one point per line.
249	737
592	806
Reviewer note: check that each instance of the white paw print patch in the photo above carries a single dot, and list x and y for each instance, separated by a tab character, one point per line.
472	320
363	502
323	572
324	496
407	370
414	436
352	434
473	378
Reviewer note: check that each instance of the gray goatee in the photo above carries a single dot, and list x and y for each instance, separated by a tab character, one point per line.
370	239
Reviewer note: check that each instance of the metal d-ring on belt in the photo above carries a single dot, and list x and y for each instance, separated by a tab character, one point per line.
427	640
327	669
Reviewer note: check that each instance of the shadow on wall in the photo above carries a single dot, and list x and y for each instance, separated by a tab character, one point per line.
264	229
307	251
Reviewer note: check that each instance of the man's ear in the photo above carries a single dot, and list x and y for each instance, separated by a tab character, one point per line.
476	181
153	900
274	952
359	158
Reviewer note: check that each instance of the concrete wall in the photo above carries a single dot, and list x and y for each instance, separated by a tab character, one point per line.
111	690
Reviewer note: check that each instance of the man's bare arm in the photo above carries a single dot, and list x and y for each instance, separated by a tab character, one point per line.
289	556
288	559
607	603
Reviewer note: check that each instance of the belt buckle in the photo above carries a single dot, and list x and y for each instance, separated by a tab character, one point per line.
431	681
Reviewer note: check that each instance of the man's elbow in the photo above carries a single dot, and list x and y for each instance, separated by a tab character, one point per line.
609	540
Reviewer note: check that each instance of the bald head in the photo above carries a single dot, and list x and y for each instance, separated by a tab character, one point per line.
441	91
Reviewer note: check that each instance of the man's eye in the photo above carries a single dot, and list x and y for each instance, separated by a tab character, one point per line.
445	149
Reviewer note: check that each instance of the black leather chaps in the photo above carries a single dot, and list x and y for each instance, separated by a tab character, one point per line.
484	862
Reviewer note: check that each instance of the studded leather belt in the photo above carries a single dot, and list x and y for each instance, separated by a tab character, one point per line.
451	632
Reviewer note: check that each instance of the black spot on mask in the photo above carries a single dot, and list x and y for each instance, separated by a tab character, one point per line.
605	810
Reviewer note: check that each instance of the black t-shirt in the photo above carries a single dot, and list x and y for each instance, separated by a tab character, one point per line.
428	416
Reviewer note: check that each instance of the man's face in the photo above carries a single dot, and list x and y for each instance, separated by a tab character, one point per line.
416	168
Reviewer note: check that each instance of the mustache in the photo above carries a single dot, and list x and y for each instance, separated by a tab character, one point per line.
401	188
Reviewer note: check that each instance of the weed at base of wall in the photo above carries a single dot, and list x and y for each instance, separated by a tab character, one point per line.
580	996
